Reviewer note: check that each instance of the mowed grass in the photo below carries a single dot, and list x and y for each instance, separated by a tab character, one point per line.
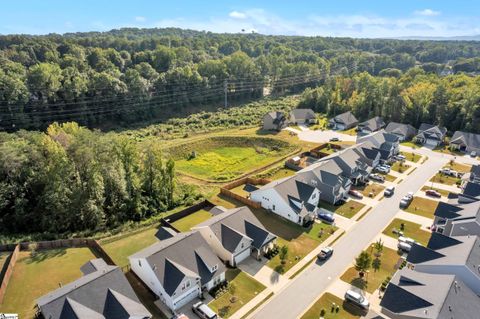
348	210
410	229
186	223
119	249
400	167
371	188
412	157
461	168
347	311
422	206
444	179
441	191
246	288
36	276
389	260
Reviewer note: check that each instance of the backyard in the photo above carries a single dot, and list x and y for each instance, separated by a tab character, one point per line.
186	223
40	274
276	173
348	209
422	206
409	229
246	288
325	303
389	260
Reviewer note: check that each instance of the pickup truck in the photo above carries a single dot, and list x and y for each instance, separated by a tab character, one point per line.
325	253
406	200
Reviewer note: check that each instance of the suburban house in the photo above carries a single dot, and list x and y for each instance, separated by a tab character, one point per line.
404	132
457	220
387	144
236	234
372	125
343	121
102	292
178	269
274	121
352	165
368	152
473	176
415	295
302	116
430	135
465	142
290	198
459	256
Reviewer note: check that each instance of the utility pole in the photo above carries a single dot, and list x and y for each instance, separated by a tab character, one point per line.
225	88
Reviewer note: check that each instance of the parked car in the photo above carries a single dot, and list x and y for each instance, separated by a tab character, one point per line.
382	169
449	172
180	316
389	191
473	154
203	311
327	217
406	200
408	240
404	246
357	299
325	253
400	157
433	193
355	193
377	177
334	139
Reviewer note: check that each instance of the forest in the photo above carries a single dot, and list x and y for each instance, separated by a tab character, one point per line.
121	77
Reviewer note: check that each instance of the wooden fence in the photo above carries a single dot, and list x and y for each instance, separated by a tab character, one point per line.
8	273
189	210
226	190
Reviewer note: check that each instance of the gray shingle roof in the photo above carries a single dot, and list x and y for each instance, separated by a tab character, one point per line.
303	114
346	118
165	233
405	130
449	211
373	124
431	131
277	117
469	139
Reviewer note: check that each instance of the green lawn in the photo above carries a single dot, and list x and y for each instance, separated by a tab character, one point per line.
119	249
461	168
352	131
34	277
348	210
444	179
441	191
410	229
246	289
422	206
277	173
186	223
371	188
389	259
412	157
347	311
400	167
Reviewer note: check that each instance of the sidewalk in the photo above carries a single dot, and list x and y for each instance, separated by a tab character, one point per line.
414	218
251	304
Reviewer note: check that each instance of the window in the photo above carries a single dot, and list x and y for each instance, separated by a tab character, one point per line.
139	263
273	207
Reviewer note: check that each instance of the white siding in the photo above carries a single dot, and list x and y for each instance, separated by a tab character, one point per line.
271	200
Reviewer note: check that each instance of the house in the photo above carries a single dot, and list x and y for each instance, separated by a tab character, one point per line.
352	165
290	198
473	176
404	132
102	292
457	220
302	116
459	256
178	269
236	234
387	144
343	121
415	295
274	121
372	125
369	153
430	135
465	142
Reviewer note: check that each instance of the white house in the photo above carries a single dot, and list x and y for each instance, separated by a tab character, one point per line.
179	268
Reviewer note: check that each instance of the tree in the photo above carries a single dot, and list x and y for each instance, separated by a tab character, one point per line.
44	80
376	264
363	262
378	246
283	254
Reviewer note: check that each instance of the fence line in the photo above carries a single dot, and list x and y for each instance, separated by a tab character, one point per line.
8	273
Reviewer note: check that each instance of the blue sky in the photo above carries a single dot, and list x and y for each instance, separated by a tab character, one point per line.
359	18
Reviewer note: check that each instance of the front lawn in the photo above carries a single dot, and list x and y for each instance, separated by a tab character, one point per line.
325	303
373	279
410	229
441	191
445	179
246	288
461	168
422	206
410	156
119	249
348	209
36	276
186	223
371	188
400	167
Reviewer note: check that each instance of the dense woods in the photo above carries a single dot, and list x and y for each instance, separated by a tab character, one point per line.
115	78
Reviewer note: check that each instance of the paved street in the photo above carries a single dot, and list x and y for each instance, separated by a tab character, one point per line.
296	297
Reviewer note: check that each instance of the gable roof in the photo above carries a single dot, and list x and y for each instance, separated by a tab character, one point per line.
469	139
431	131
373	124
346	118
102	293
276	116
302	114
405	130
449	211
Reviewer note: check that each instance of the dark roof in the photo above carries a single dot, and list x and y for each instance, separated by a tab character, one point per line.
438	241
446	210
475	170
431	131
103	293
373	124
278	117
471	189
303	114
398	300
230	238
250	188
401	129
346	118
468	139
419	254
165	233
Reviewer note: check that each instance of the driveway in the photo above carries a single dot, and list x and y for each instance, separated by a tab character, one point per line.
318	136
262	273
299	294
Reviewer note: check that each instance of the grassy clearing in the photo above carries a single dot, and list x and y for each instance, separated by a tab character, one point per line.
389	259
36	276
186	223
246	289
371	188
422	206
410	229
276	173
441	191
348	210
347	311
400	167
412	157
125	246
444	179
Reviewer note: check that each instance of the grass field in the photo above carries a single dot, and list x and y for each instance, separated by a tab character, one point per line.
441	191
347	311
389	259
348	210
246	289
400	167
184	224
35	276
412	157
444	179
125	246
422	206
227	158
276	173
373	188
410	229
461	168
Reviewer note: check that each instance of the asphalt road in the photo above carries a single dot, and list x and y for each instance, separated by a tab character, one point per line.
297	297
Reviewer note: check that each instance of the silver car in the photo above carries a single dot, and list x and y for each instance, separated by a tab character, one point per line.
357	299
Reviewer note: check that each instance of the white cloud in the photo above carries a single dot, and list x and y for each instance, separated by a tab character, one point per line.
140	19
427	13
237	15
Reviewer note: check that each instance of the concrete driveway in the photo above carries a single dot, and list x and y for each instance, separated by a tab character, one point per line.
318	136
262	273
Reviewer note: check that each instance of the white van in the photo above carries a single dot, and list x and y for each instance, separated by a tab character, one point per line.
203	311
357	299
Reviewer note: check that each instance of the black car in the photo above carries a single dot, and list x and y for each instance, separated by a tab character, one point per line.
325	253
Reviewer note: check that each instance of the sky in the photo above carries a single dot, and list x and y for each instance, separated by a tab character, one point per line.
351	18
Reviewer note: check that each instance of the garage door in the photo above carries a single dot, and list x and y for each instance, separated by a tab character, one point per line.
242	256
183	300
431	142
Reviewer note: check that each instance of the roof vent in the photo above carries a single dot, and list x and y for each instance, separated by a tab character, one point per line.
154	267
450	308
